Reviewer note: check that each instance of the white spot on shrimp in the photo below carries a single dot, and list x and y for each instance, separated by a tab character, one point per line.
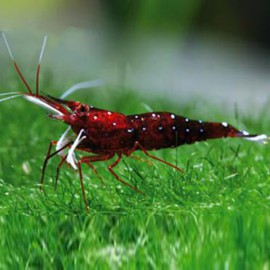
143	128
224	124
187	130
187	120
200	121
160	128
109	113
95	117
173	116
130	130
153	115
201	130
173	127
114	124
142	119
136	116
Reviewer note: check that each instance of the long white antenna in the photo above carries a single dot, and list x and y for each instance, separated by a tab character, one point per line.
8	47
39	62
15	64
82	85
42	48
7	98
8	93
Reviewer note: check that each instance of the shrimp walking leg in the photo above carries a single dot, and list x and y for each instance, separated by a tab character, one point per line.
63	159
48	157
138	145
89	159
110	168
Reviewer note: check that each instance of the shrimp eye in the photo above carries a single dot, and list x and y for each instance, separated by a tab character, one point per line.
84	108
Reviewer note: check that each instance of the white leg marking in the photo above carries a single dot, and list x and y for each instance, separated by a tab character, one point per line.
62	142
71	159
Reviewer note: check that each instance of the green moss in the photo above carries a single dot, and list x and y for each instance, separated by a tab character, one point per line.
213	216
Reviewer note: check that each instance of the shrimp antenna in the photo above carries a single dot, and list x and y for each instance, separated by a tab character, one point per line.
39	62
15	64
8	94
10	97
83	85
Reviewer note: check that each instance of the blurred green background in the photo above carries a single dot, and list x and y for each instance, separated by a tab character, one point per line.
217	50
246	20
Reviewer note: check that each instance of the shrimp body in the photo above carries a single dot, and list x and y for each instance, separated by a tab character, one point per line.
102	134
108	132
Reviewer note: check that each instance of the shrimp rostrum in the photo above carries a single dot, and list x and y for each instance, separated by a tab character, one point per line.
103	134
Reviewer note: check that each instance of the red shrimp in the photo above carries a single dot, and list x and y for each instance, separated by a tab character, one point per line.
103	134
